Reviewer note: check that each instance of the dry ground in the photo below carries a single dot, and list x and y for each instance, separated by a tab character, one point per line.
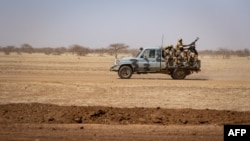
191	109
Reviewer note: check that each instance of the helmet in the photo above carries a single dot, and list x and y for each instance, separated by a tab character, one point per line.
180	39
168	46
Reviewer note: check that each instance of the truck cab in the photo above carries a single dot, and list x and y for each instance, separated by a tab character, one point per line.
151	60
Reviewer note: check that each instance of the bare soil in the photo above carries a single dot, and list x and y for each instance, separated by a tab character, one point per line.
44	113
48	97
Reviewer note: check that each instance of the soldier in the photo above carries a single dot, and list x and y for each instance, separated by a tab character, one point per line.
166	51
179	44
172	55
192	52
179	51
168	54
140	50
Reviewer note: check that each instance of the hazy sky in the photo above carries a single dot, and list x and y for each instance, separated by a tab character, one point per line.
98	23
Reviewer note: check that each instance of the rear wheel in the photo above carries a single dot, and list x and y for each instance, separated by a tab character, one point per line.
179	74
125	72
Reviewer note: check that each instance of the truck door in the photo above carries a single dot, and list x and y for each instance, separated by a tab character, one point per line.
148	61
159	57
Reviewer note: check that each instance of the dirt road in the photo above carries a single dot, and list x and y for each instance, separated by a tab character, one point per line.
67	80
93	132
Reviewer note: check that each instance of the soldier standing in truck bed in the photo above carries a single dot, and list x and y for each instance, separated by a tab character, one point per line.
168	53
179	51
179	44
193	54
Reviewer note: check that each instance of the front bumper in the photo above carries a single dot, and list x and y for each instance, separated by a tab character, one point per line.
114	68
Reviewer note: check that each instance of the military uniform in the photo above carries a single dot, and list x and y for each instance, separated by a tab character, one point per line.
179	45
179	51
168	53
193	54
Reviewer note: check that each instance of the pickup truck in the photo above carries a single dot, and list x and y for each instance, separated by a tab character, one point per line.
151	60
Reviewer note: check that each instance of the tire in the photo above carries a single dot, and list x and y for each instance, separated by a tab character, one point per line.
179	74
125	72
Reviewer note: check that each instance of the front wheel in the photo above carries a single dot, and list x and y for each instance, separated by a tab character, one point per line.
179	74
125	72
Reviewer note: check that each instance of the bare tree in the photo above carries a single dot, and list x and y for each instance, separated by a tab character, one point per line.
46	50
18	51
242	53
116	47
59	51
7	50
100	51
79	50
27	48
226	53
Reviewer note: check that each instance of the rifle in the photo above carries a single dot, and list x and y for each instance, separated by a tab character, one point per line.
192	44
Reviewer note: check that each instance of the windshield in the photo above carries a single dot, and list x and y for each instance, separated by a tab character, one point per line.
148	53
137	55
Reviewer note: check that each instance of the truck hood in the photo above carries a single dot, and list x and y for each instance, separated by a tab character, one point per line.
126	59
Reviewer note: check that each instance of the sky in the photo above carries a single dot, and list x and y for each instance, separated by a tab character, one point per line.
137	23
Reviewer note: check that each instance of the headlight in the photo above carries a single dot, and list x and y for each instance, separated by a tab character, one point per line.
117	62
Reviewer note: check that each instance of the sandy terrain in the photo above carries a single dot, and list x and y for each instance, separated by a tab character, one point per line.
217	95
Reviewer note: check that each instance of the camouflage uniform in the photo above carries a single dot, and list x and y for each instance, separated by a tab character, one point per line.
168	53
179	44
193	54
179	51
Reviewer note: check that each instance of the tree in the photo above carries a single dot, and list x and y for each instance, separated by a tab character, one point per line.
116	47
225	53
7	50
27	48
246	52
79	50
243	53
47	50
59	51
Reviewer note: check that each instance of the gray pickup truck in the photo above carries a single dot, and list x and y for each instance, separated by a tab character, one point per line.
151	60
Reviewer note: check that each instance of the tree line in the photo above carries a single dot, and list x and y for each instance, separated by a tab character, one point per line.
112	49
226	53
79	50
